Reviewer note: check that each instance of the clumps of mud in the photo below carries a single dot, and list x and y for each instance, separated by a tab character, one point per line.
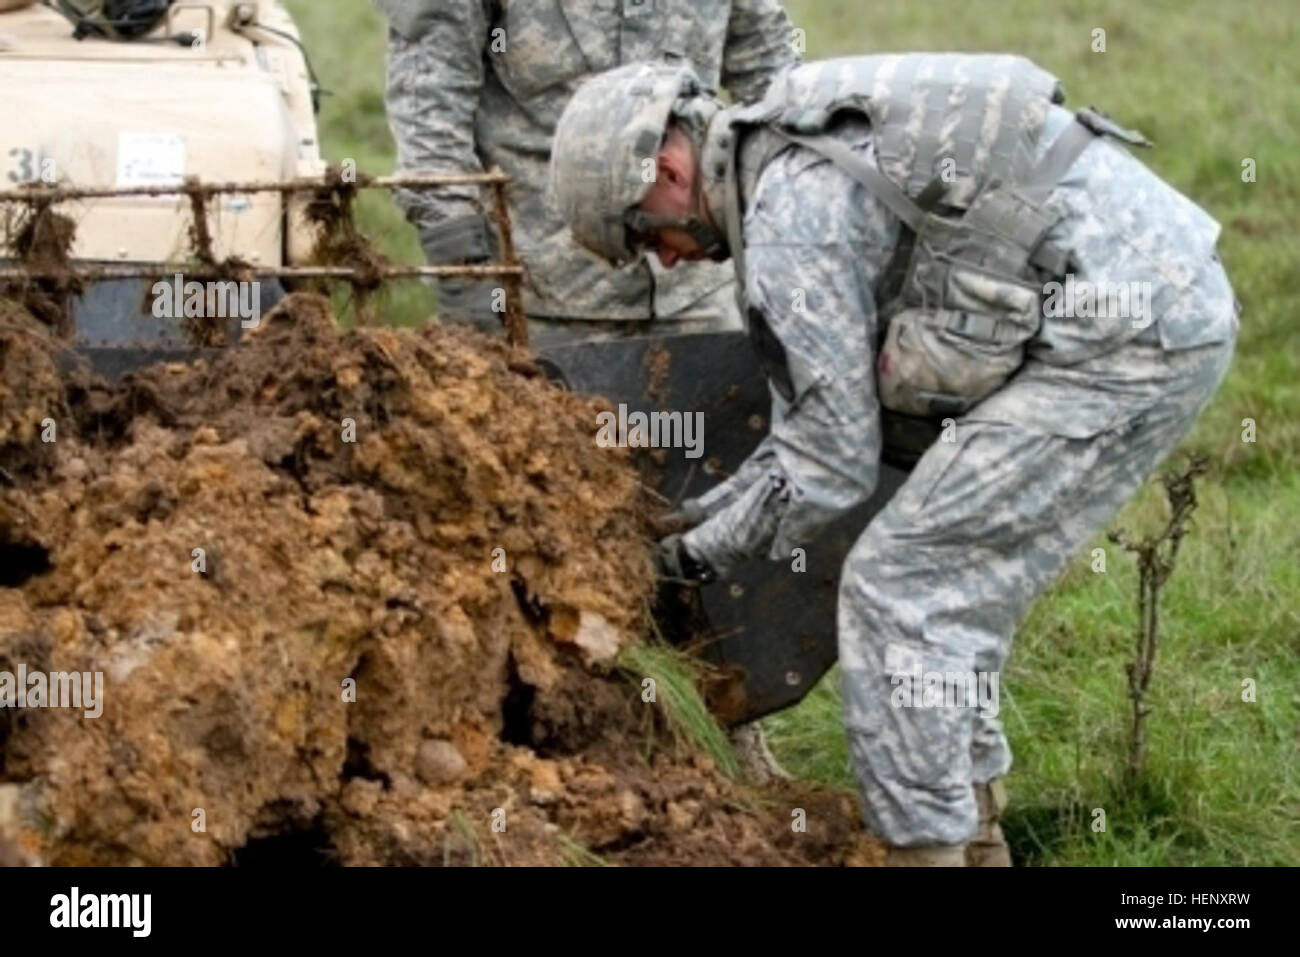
356	598
40	240
339	242
35	395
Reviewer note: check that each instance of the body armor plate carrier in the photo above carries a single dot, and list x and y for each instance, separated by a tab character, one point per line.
955	137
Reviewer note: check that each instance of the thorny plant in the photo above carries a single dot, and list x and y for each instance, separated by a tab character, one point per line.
1156	557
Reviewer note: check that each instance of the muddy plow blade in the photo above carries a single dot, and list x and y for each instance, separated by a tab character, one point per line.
770	629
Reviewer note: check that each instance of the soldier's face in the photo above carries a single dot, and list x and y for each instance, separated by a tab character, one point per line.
673	195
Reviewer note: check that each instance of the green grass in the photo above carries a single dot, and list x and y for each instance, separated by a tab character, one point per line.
1222	785
676	678
1212	84
575	854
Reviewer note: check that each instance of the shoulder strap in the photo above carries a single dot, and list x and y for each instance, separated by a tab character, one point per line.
880	185
735	235
1089	124
839	154
1043	255
1056	162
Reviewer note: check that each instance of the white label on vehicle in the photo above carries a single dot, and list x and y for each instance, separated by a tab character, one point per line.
150	159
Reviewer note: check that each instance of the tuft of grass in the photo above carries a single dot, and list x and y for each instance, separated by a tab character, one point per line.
678	678
463	831
577	855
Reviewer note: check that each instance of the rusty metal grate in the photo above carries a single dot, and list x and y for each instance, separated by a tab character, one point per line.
506	267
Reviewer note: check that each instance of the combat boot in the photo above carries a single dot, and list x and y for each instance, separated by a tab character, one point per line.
988	848
938	855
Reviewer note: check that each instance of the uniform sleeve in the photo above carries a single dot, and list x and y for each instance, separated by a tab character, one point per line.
815	301
760	41
435	76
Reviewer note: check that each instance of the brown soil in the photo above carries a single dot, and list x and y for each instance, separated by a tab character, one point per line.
481	697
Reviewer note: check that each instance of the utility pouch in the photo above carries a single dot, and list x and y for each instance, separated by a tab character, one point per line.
968	305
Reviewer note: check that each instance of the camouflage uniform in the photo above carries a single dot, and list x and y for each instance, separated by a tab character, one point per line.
480	83
984	523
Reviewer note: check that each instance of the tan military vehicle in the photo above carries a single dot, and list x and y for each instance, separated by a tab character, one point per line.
131	93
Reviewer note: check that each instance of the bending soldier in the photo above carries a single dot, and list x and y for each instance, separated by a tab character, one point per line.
933	233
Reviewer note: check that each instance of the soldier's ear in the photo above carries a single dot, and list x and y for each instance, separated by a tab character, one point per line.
676	159
674	166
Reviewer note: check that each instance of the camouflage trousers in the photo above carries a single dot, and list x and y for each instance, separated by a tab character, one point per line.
940	578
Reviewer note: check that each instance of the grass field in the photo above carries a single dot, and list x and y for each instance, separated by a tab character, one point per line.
1213	85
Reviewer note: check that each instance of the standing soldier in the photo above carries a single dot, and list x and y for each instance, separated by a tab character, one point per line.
474	84
935	234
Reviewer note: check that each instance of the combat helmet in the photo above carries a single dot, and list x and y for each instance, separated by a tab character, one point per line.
605	155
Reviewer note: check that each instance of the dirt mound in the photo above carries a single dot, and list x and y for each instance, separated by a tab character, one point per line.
355	597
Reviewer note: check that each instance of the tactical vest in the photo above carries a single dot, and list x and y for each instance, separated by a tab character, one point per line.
956	137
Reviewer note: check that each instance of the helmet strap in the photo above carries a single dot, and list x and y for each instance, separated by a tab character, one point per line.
711	240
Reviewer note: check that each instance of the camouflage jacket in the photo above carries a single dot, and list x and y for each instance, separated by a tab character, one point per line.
817	245
474	84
